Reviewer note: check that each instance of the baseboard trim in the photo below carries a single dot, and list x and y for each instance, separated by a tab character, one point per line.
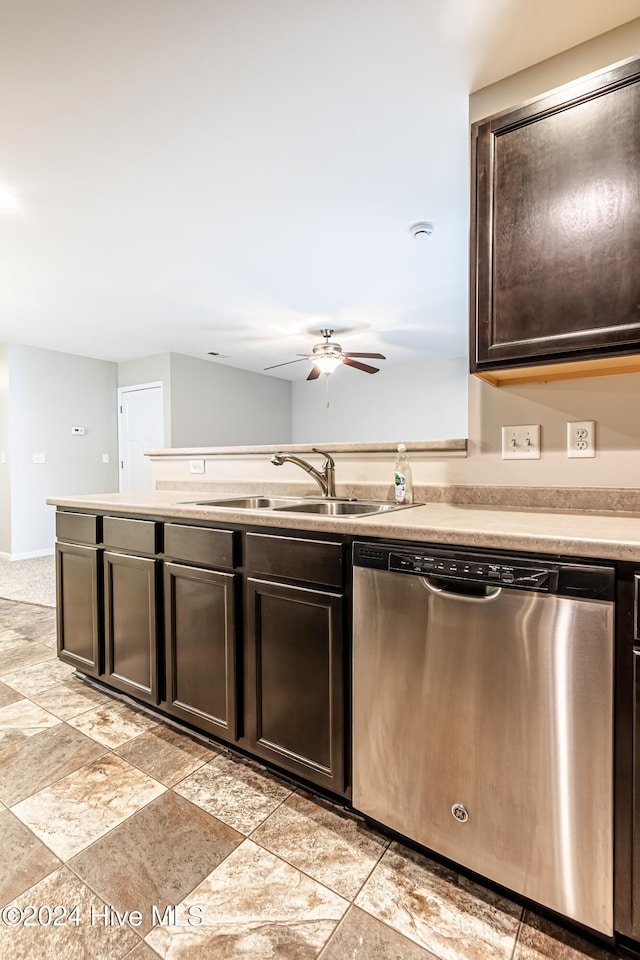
29	555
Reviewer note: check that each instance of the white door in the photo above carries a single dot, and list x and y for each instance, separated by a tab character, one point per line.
140	428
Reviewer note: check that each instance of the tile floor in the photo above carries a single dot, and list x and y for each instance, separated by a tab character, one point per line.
121	838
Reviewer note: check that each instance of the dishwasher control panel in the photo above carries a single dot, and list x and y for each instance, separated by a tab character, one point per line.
572	578
459	568
458	565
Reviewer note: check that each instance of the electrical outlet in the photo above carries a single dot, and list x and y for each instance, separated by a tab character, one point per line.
581	438
521	442
39	458
196	466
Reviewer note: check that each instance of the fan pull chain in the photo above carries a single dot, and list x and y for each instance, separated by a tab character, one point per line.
327	379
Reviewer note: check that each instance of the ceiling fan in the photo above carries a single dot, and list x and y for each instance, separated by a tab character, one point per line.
329	355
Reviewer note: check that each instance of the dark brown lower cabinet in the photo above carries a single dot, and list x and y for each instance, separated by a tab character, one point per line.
295	680
131	625
78	588
200	646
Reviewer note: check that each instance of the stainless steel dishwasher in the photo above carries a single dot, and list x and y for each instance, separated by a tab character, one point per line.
483	716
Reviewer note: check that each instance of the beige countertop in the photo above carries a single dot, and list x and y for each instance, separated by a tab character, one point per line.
610	536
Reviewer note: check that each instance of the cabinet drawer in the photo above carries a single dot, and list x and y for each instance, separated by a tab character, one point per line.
125	534
81	527
201	545
314	561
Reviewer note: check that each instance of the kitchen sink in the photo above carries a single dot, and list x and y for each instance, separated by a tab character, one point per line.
246	503
338	508
325	508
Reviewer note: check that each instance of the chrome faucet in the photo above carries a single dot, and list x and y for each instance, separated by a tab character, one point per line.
326	479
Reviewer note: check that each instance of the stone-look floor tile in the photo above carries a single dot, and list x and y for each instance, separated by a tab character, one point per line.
362	937
68	699
29	766
156	857
112	724
23	719
329	845
441	911
166	755
142	952
234	792
27	615
17	652
86	941
42	629
8	695
86	804
253	905
539	939
49	640
38	677
24	860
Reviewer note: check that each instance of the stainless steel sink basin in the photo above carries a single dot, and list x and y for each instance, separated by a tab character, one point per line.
246	503
326	508
338	508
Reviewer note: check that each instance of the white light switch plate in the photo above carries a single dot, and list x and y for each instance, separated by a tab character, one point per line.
521	442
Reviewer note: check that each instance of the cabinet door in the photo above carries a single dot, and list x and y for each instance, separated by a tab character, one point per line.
201	648
78	607
557	226
295	698
131	639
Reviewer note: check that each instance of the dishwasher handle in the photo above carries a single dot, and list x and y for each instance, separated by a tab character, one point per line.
462	590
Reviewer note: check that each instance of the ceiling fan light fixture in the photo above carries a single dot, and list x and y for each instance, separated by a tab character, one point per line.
327	364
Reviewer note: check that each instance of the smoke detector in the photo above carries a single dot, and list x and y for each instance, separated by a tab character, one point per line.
424	228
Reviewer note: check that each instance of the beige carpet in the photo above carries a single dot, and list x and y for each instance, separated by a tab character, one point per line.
30	581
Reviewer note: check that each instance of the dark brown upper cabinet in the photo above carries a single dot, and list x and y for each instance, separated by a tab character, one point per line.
555	260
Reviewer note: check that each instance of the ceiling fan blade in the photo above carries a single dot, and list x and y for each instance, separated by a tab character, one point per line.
372	356
274	365
315	373
360	366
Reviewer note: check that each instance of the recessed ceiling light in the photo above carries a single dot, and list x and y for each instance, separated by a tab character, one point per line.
7	200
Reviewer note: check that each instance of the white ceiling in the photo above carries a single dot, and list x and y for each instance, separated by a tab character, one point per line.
233	175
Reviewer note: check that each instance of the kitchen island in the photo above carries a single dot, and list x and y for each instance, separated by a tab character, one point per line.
237	622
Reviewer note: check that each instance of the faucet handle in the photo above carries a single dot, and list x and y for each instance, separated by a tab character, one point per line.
329	461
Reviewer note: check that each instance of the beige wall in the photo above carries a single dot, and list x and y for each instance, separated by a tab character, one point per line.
50	393
212	404
406	401
614	402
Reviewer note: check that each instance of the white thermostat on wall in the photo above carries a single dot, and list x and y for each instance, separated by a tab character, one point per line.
77	431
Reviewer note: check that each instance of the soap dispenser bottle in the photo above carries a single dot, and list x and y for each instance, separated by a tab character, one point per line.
403	480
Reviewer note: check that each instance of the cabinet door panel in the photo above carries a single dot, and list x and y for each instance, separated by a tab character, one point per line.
201	647
558	226
78	607
635	794
296	673
131	625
